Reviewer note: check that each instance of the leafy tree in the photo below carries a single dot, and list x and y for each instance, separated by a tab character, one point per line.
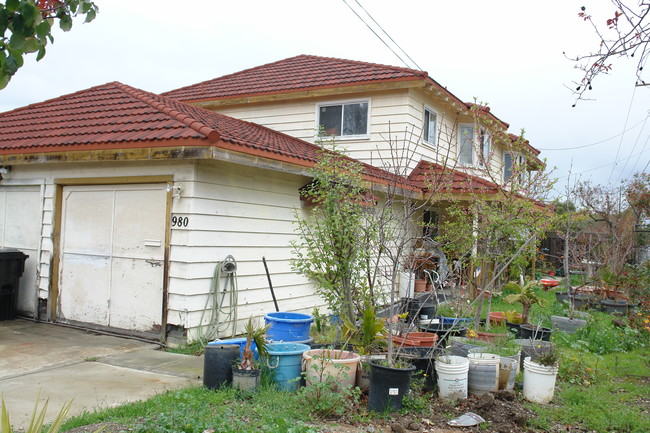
332	249
26	27
626	33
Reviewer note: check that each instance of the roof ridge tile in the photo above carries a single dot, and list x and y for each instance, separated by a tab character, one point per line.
148	99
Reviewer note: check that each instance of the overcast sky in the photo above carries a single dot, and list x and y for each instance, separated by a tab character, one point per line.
508	54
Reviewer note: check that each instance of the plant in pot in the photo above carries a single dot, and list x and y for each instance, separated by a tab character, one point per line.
246	374
526	295
367	337
514	319
540	373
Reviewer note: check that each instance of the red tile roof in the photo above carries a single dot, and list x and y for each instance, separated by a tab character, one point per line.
429	176
294	74
117	116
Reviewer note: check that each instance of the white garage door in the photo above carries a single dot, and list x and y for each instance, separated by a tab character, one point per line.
20	227
112	255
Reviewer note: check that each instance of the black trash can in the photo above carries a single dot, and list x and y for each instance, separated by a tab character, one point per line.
12	266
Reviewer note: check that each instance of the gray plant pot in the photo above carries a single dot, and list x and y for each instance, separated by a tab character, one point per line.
619	307
567	324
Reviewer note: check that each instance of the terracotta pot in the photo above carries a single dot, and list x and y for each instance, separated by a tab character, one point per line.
491	336
416	339
420	285
497	317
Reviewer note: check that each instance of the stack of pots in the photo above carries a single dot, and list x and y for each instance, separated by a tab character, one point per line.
289	337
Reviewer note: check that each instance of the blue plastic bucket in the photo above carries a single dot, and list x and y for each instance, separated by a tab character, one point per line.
241	342
288	326
285	362
454	321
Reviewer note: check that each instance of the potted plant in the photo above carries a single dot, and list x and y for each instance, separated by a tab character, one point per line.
514	321
540	373
527	297
246	374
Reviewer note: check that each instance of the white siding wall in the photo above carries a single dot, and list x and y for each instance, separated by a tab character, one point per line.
247	213
395	116
242	211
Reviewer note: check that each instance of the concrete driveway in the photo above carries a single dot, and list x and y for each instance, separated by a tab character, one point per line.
94	371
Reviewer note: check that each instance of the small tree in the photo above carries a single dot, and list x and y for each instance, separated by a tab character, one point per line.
333	247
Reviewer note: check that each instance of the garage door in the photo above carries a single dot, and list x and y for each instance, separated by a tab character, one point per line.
20	227
112	255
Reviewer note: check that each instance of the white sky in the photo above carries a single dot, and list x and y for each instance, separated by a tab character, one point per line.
507	53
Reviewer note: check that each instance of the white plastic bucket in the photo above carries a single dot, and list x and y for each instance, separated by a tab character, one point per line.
452	376
406	284
539	381
483	373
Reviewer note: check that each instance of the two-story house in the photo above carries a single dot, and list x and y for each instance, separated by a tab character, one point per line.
127	201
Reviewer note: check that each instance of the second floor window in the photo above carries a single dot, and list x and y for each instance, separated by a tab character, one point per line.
466	148
430	126
342	120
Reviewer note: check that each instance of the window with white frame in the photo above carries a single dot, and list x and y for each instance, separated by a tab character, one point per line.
430	126
344	119
509	161
507	166
466	148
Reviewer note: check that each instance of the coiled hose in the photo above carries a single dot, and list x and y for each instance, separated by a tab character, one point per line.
223	315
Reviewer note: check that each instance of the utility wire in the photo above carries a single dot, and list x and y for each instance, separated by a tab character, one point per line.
389	37
631	151
620	143
598	142
607	165
380	38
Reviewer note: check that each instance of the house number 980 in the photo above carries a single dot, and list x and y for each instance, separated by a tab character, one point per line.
180	221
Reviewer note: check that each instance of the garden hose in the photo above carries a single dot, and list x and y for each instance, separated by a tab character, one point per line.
223	316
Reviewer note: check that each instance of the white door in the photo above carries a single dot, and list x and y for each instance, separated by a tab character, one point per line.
112	255
20	227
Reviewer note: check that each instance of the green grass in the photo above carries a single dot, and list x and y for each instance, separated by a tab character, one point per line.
615	400
195	410
603	386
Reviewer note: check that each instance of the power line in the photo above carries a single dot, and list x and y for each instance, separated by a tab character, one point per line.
382	39
611	163
389	37
634	147
620	143
598	142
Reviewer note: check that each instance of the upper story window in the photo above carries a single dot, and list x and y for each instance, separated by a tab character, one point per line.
430	126
470	138
466	148
344	119
509	161
484	143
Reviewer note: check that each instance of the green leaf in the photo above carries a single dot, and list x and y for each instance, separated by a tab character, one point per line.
90	15
4	21
4	80
17	42
43	29
41	53
30	13
65	23
12	5
31	45
11	66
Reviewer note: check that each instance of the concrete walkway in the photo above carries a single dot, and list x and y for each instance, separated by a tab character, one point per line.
94	371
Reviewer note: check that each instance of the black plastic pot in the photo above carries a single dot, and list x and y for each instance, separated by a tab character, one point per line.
528	331
445	331
217	364
420	308
514	329
423	359
388	386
